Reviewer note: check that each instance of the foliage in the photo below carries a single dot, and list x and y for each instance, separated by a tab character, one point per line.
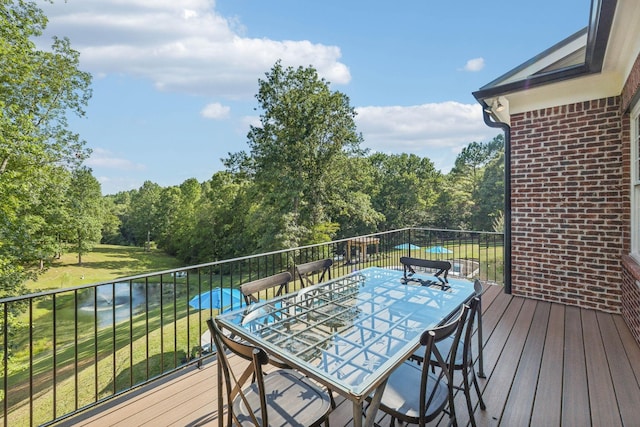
145	218
474	189
112	211
490	195
222	228
85	214
38	89
406	190
306	133
305	180
37	150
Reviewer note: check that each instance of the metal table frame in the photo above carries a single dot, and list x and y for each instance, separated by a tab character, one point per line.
348	333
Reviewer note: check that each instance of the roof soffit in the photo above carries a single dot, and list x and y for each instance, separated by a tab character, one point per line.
624	42
590	64
568	47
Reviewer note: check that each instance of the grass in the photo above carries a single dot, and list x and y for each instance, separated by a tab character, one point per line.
104	263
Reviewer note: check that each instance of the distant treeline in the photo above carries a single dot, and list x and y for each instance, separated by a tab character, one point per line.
307	180
234	215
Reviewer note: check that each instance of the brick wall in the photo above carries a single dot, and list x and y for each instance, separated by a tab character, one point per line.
570	204
631	86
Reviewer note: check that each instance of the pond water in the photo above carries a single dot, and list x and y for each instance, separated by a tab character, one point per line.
114	303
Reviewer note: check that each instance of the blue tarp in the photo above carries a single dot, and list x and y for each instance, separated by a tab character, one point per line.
407	246
438	250
218	298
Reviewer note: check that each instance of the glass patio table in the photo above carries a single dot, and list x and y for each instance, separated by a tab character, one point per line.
351	332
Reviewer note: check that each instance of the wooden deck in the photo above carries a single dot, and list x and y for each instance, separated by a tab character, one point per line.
546	364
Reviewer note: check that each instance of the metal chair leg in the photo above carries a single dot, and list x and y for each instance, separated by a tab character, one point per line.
480	360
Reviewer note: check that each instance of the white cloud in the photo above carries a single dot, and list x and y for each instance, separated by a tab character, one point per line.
475	64
437	131
115	184
188	14
181	46
215	111
101	158
248	121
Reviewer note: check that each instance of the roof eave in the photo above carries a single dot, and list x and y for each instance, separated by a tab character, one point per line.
598	31
533	81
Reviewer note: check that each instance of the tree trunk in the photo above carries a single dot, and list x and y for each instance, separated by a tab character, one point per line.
3	165
79	249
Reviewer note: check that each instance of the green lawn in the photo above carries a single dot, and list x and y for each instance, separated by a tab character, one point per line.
104	263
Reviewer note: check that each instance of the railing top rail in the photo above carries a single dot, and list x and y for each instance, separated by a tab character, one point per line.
144	276
496	233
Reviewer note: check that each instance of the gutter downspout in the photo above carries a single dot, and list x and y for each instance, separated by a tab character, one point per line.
507	193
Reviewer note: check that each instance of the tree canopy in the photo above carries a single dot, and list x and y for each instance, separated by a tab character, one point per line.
297	157
305	179
38	151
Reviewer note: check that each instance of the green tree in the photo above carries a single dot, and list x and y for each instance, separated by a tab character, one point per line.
490	202
145	216
50	211
85	212
222	227
296	156
177	218
113	213
118	230
469	166
454	204
406	191
38	89
168	209
459	206
190	197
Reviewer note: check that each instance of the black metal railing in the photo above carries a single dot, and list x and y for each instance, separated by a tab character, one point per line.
70	349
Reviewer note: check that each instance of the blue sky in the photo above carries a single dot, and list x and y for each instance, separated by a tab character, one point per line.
175	80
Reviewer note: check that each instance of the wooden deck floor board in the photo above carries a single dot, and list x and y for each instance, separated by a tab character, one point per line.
621	370
547	408
539	360
504	373
575	387
520	400
601	393
630	347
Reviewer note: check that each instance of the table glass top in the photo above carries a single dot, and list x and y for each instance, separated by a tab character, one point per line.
349	332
